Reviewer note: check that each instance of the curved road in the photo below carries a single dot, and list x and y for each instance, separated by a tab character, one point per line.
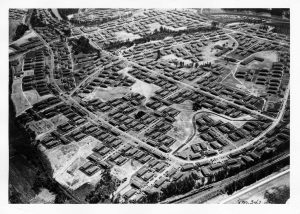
193	133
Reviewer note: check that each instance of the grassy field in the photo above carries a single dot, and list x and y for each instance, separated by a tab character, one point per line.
20	102
13	24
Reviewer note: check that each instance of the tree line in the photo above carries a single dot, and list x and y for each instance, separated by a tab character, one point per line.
36	19
64	12
253	177
21	29
159	34
179	187
86	23
104	189
82	45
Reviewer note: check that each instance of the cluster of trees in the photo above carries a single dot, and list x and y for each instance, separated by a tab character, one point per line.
80	22
82	45
175	188
157	34
253	177
14	197
52	14
21	29
64	12
279	11
272	11
180	187
277	195
282	28
181	64
36	20
103	192
67	32
43	180
263	27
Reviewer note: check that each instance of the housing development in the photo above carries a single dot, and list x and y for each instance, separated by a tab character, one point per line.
146	105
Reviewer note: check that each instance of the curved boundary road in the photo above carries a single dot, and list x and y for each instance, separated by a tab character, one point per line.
193	133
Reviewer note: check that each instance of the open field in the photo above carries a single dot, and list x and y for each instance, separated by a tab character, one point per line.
12	29
123	36
67	159
107	94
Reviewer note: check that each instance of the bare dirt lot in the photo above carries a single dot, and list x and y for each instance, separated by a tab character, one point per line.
107	93
66	160
40	127
209	51
20	102
123	35
268	56
59	119
144	89
33	97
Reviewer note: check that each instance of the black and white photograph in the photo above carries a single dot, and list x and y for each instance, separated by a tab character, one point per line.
149	105
123	105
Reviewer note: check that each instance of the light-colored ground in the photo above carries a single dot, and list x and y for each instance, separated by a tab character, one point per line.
212	10
16	86
123	35
171	57
28	34
59	119
209	51
19	99
126	170
230	80
237	124
105	94
20	102
144	89
255	89
70	16
13	24
182	126
139	86
216	200
156	26
66	159
28	72
33	97
268	56
40	127
44	197
54	10
138	13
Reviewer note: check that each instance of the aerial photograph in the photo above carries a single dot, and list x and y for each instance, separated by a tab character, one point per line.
149	106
